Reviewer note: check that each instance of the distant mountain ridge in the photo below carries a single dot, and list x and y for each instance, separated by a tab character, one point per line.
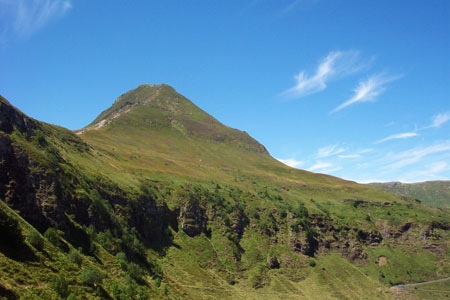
433	193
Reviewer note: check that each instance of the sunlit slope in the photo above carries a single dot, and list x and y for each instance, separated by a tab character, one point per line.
159	196
155	129
153	132
432	193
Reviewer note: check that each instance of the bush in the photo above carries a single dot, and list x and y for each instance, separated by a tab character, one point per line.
121	260
59	285
71	297
52	235
35	239
135	271
75	257
91	277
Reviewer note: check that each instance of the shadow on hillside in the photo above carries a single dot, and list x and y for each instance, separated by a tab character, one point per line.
163	240
18	252
5	293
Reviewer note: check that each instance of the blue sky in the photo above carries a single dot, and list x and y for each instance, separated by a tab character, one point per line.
357	89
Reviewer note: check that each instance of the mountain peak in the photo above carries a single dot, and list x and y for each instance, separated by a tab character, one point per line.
142	95
160	110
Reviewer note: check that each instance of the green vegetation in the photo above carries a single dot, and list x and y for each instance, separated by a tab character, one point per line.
162	201
432	193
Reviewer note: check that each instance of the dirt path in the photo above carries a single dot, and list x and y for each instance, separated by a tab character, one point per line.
402	287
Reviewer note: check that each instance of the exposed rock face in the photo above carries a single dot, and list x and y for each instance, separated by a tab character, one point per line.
151	219
193	218
372	238
238	222
17	184
43	195
320	235
272	262
304	244
11	118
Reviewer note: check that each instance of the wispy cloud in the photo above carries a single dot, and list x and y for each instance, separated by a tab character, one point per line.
397	136
368	90
292	162
440	119
323	167
335	64
432	171
22	18
415	155
291	6
349	156
328	151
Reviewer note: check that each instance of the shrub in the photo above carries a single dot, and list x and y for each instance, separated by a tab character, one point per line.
121	260
75	257
35	239
135	271
91	277
52	235
71	297
59	285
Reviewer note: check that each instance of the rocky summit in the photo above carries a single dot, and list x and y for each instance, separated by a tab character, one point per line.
156	199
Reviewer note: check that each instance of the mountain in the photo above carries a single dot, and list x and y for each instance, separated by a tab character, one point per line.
157	199
432	193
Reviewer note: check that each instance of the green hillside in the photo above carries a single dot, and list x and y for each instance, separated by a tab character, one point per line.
432	193
157	199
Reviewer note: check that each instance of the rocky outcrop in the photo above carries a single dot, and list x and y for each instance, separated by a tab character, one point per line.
11	118
319	234
193	217
18	186
304	243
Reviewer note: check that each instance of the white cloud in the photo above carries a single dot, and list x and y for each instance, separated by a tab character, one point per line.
416	155
323	167
368	90
25	17
349	156
335	64
440	119
292	162
404	135
328	151
438	167
354	155
432	171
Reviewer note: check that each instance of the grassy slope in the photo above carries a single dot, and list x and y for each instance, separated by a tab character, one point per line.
189	275
29	272
158	143
157	151
432	193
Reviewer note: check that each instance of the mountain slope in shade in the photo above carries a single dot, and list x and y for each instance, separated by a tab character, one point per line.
157	199
433	193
